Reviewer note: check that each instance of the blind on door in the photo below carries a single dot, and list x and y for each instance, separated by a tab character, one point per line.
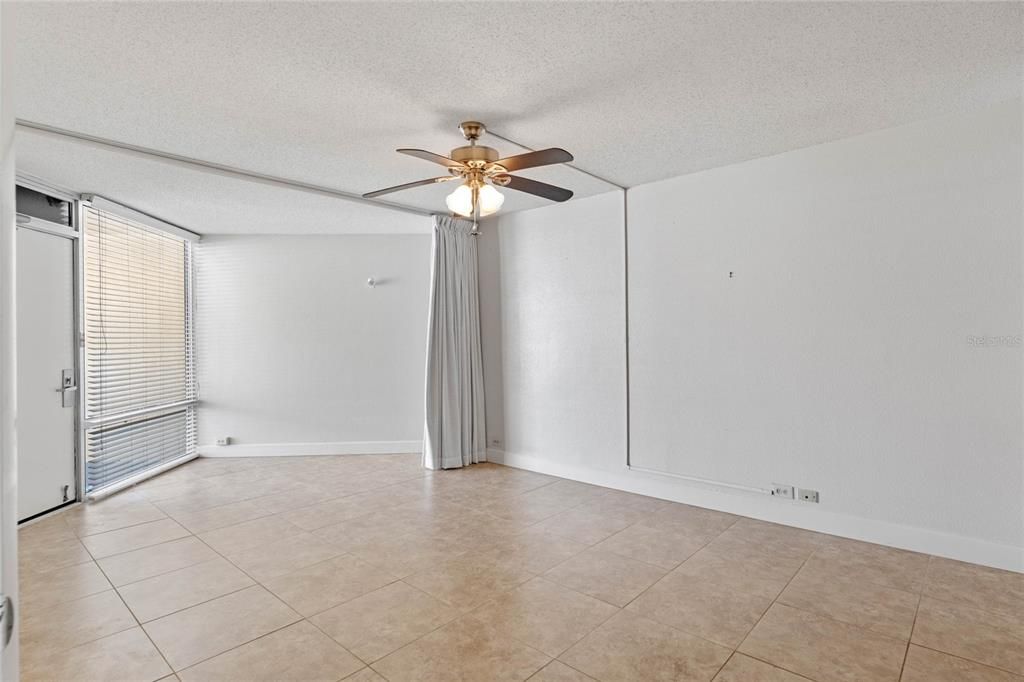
139	376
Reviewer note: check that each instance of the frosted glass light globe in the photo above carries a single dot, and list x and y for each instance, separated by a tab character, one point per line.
490	200
461	201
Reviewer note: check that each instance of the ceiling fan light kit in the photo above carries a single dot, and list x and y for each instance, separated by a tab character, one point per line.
482	170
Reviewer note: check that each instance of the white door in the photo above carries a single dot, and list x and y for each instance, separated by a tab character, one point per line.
47	383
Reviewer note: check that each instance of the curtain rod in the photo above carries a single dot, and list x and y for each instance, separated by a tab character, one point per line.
216	168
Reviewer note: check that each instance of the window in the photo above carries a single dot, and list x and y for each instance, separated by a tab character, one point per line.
38	205
139	359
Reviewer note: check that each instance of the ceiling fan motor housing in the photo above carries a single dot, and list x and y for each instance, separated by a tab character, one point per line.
474	153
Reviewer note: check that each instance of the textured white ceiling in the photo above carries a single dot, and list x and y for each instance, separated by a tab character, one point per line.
323	93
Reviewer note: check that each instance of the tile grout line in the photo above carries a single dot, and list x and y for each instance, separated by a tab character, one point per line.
256	639
95	639
724	663
917	609
207	480
709	541
908	641
569	589
138	624
269	591
190	606
442	625
459	616
157	544
776	665
644	591
968	660
622	608
920	596
156	503
174	540
206	601
125	527
255	584
325	634
559	660
776	600
732	655
583	594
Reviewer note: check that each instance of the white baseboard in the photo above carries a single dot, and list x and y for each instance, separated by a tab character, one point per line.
366	447
790	513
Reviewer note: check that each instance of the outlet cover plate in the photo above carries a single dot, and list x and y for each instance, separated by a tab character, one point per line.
782	490
808	495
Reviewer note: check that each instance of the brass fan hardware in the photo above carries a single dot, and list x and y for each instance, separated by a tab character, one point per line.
481	168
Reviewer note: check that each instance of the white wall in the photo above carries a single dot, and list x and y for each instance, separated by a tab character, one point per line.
489	277
294	347
562	363
8	379
836	358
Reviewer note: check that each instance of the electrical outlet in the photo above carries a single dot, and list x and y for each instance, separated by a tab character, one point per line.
807	495
782	490
224	440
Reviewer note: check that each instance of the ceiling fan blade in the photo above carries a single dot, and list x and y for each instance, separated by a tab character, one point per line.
409	185
541	189
432	157
544	157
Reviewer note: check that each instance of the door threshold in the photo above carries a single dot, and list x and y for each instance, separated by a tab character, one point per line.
53	510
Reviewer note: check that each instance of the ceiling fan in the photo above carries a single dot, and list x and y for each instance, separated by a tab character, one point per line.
480	170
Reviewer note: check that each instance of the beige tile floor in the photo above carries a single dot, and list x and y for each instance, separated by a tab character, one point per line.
370	568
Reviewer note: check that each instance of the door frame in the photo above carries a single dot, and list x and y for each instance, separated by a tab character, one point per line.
74	233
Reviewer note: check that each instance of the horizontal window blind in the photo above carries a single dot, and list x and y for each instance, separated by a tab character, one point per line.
120	451
139	378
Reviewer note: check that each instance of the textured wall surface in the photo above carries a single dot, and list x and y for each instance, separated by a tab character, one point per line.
841	356
294	347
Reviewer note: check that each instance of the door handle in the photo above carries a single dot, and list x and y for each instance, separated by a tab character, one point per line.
68	388
67	396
